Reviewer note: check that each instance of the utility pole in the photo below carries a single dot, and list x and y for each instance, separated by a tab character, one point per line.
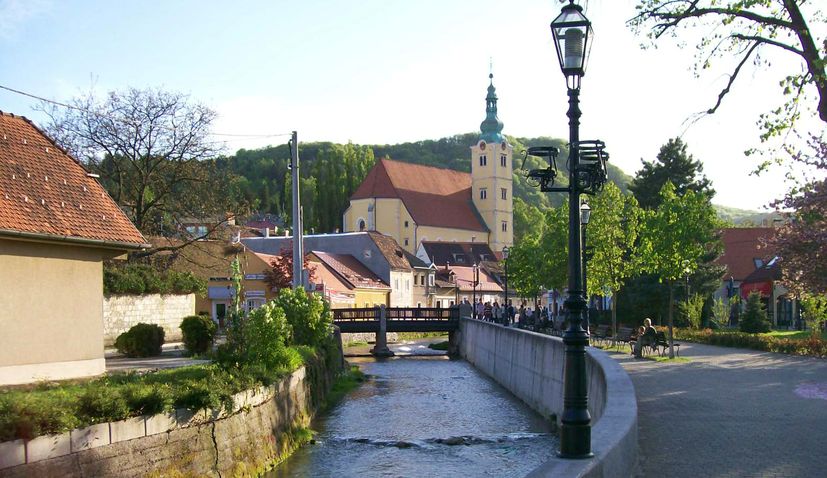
298	252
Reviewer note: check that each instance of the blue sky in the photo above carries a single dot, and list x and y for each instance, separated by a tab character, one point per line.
385	71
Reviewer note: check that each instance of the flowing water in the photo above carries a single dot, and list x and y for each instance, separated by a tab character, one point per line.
424	415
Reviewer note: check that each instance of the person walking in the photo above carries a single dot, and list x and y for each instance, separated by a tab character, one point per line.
498	312
479	309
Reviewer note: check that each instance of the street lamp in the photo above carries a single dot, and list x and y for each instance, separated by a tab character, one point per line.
572	33
475	277
585	214
506	250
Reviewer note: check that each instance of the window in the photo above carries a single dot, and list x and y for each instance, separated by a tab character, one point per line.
483	193
406	241
504	193
396	284
406	223
503	160
361	225
505	226
407	284
430	280
483	160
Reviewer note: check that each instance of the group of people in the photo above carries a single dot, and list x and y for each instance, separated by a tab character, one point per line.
646	335
507	314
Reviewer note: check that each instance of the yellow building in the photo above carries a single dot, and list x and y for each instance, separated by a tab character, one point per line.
414	203
57	226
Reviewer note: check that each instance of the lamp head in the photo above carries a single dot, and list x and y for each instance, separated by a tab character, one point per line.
585	213
572	33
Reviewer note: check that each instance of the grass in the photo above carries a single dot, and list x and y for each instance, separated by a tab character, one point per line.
357	343
439	345
794	334
658	358
347	381
420	335
55	407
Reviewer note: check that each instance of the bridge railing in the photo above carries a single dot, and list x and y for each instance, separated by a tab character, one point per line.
411	314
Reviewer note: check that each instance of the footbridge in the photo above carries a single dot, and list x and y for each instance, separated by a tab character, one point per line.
381	320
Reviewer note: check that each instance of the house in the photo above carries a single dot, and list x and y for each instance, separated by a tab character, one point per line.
57	226
379	253
212	261
414	203
346	282
751	266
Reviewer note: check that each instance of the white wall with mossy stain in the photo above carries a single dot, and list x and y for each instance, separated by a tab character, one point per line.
121	312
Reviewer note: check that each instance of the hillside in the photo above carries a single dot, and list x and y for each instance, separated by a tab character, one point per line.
331	173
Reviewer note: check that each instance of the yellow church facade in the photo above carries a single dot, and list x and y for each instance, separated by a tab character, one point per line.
414	203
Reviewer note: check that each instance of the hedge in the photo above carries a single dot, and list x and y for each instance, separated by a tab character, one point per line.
145	279
812	346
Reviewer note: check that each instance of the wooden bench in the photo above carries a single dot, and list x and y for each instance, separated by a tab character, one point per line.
662	343
624	335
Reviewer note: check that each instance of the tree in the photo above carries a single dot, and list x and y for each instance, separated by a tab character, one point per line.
527	219
745	29
149	147
754	320
523	267
802	242
280	274
673	164
611	236
676	237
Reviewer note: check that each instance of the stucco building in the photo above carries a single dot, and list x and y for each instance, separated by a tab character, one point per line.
413	203
57	226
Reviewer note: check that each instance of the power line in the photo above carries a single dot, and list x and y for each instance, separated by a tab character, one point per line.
86	110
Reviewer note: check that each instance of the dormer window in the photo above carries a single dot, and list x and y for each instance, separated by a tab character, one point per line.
459	258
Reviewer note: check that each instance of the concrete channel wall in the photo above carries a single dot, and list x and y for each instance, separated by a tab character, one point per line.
242	442
530	365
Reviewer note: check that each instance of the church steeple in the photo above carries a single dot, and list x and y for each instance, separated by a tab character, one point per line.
491	128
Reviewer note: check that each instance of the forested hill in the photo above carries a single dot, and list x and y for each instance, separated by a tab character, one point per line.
331	173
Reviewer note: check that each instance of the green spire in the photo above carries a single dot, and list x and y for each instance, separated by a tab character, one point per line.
492	127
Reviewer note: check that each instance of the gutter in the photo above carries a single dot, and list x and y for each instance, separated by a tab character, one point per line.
36	236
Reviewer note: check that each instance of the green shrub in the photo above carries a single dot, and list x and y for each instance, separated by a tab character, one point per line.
142	340
100	403
142	278
812	346
755	318
147	399
265	334
198	332
309	317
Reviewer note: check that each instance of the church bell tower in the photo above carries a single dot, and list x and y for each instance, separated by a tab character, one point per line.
491	176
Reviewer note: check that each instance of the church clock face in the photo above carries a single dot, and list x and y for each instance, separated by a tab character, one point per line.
482	144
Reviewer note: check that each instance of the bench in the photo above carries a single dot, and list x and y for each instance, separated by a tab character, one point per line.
624	335
662	343
601	333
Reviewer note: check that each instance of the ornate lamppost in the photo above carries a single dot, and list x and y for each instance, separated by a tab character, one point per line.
572	33
506	250
475	277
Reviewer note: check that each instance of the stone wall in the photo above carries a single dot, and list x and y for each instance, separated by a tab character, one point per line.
530	365
120	312
245	442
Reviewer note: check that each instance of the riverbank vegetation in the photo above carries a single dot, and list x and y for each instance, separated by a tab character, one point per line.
261	349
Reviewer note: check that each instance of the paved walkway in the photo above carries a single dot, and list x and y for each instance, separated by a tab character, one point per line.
172	356
731	413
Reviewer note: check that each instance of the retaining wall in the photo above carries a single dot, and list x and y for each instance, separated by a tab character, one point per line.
530	365
120	312
183	443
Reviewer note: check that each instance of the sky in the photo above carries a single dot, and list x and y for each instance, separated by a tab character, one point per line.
389	71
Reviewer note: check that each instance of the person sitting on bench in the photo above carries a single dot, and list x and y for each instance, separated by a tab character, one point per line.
648	337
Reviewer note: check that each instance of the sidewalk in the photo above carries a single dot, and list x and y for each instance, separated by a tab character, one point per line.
172	356
730	413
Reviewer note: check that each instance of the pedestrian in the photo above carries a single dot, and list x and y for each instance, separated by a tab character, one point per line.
488	312
479	309
498	312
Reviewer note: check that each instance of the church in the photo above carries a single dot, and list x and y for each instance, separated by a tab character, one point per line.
414	203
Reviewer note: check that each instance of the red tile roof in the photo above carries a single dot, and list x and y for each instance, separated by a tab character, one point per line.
742	245
433	196
458	253
45	192
465	279
351	270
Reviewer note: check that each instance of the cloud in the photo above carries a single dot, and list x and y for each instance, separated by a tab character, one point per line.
14	13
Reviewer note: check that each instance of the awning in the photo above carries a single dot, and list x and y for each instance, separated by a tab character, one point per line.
764	288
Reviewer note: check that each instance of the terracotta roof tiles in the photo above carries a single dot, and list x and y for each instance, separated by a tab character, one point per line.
44	191
351	270
742	245
433	196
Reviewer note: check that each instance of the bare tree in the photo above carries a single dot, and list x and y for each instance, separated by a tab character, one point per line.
743	30
149	147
